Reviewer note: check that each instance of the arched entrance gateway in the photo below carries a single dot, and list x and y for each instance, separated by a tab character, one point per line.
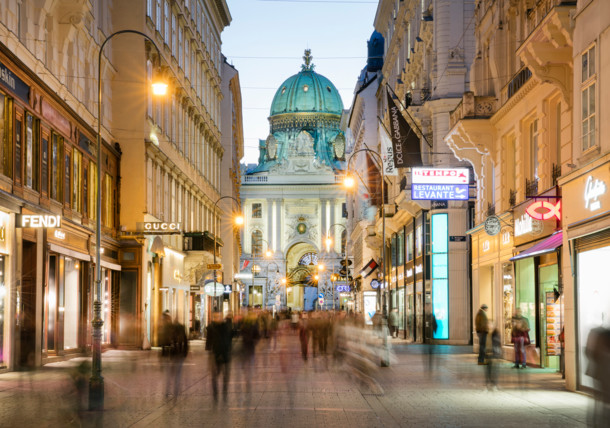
301	286
293	197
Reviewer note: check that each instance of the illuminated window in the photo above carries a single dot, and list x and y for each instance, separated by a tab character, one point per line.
77	182
92	186
107	201
6	135
57	144
588	99
32	151
257	243
257	210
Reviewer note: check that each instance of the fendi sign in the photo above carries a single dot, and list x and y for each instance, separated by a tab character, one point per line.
158	228
37	220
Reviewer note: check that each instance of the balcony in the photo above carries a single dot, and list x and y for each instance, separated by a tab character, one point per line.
531	187
547	50
473	107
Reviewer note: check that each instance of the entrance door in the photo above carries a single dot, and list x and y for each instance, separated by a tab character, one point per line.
27	306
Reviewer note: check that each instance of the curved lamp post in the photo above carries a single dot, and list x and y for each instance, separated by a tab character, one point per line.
328	243
386	360
96	382
239	220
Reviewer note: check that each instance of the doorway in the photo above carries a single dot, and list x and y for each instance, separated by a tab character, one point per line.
26	301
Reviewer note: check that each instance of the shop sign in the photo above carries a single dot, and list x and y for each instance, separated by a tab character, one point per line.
486	246
418	269
37	221
195	287
453	192
492	225
59	234
409	273
593	190
15	84
242	276
343	288
374	284
440	176
543	210
158	227
506	238
214	266
214	289
228	289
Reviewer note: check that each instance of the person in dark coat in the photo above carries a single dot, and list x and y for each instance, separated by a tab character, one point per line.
250	335
177	350
220	337
520	338
481	324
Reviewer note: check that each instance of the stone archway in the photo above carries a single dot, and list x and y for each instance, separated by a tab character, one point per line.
300	294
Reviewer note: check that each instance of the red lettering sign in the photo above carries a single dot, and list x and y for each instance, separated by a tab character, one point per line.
543	210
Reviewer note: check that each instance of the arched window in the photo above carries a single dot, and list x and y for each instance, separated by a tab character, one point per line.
257	243
343	241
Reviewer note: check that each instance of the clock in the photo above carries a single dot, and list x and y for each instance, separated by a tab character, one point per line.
308	259
492	225
301	228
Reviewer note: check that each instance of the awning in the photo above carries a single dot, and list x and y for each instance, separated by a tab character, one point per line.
549	245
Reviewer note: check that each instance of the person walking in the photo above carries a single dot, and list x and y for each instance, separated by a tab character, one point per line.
520	337
178	350
482	328
491	377
219	338
393	322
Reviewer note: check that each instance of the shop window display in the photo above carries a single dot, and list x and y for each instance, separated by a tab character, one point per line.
593	301
508	300
2	309
525	293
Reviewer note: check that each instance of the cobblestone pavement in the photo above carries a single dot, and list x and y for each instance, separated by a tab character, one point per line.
445	388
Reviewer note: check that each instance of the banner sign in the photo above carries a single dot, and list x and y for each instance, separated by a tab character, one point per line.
439	191
440	176
387	153
405	142
15	84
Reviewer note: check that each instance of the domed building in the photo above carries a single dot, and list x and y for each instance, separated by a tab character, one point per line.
293	200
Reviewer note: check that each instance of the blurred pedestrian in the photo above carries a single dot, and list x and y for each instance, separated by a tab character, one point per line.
520	338
250	334
164	332
220	336
304	335
482	328
393	322
598	353
177	351
491	374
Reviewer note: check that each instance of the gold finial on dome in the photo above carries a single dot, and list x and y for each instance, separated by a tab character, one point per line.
307	58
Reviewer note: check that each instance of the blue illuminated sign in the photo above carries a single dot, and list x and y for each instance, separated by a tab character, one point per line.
439	229
452	192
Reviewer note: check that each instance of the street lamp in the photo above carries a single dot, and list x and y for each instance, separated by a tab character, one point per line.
329	243
351	183
96	382
239	221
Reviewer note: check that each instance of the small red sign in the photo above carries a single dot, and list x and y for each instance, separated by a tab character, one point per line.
543	210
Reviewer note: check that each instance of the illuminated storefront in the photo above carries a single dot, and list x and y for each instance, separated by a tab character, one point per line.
5	295
587	232
538	293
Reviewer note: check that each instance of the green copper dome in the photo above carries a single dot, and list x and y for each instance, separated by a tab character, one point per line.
307	91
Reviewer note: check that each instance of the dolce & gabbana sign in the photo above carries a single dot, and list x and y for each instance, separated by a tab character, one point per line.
158	228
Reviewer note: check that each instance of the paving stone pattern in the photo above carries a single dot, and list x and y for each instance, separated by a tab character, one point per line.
445	388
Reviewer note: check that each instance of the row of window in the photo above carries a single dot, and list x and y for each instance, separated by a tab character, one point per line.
171	201
184	50
40	159
403	252
187	135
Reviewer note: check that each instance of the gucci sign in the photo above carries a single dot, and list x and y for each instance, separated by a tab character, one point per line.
158	227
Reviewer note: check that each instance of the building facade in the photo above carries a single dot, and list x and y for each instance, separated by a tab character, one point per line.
293	200
173	147
515	127
48	184
584	189
426	61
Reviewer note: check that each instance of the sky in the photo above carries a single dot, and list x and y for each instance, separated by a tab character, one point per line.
266	41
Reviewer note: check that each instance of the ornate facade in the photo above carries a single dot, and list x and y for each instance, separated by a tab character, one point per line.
292	198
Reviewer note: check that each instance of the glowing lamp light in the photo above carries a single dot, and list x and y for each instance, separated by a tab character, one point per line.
239	220
284	280
543	210
159	88
349	182
316	277
268	253
320	267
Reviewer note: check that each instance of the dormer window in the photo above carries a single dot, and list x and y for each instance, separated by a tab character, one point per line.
328	89
305	88
283	90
